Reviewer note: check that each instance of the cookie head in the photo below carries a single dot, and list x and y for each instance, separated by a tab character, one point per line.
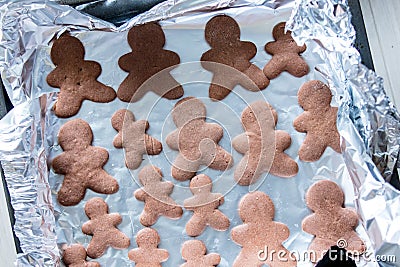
324	195
256	207
200	183
66	49
75	253
75	134
147	237
279	32
150	175
313	95
253	116
121	116
96	207
192	249
222	30
146	36
188	109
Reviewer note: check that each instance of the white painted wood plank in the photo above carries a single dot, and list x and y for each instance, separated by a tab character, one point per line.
382	23
8	253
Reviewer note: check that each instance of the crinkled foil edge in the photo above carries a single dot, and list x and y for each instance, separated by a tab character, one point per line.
371	152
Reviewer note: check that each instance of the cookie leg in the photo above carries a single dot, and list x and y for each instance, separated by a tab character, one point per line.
102	182
274	67
257	77
120	241
96	248
297	67
195	226
67	105
98	92
132	160
222	160
311	150
184	169
174	213
148	218
128	90
247	172
171	89
218	221
70	194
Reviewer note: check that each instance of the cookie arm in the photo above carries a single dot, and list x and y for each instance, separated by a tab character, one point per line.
115	218
117	142
166	188
239	234
162	255
250	49
273	47
61	163
125	62
241	143
54	77
212	259
92	67
140	194
173	140
309	224
87	228
300	124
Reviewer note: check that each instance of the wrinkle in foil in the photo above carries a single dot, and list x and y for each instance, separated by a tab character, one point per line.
28	135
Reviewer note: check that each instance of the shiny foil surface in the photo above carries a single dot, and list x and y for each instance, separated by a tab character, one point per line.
367	121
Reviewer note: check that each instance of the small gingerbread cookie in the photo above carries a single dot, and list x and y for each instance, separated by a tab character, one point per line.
318	121
331	224
76	77
155	195
103	227
222	33
148	254
196	140
148	58
285	54
204	205
81	164
75	256
194	253
263	146
133	138
259	231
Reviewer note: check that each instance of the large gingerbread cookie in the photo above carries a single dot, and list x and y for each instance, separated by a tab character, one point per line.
76	77
285	54
148	58
331	224
196	140
259	231
318	121
263	146
222	33
133	138
81	164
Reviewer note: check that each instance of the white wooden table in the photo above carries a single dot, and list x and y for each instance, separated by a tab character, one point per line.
383	30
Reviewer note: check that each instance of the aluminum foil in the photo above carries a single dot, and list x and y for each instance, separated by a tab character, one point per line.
28	135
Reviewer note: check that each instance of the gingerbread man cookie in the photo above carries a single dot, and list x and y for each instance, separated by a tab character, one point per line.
259	231
263	146
222	33
133	138
155	195
285	54
103	227
194	253
196	140
148	58
318	121
81	164
148	254
76	77
331	224
204	205
75	256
